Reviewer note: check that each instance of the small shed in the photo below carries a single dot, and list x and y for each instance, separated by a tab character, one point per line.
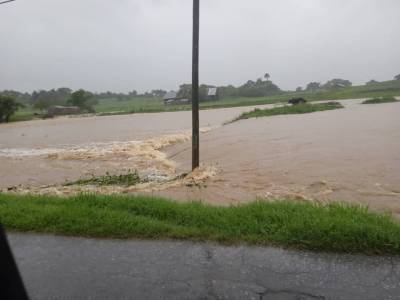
53	111
172	98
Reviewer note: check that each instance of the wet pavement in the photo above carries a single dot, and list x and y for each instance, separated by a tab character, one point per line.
77	268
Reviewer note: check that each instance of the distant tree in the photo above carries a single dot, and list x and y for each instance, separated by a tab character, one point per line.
19	97
313	86
258	88
267	76
43	99
133	93
159	93
81	99
185	91
227	91
299	89
250	83
372	81
66	92
337	83
8	106
42	104
397	77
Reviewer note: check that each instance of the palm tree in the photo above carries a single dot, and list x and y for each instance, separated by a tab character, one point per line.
267	76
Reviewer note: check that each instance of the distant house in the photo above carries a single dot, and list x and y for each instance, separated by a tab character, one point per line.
212	94
172	98
53	111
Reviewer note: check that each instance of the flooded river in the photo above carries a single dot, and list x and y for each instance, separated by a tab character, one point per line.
350	154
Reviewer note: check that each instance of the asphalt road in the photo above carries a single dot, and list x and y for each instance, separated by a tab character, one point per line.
78	268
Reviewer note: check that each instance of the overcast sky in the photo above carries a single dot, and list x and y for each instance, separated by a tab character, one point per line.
122	45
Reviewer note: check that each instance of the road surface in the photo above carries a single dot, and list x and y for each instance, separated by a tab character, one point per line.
77	268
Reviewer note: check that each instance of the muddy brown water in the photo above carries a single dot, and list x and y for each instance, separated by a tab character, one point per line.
350	154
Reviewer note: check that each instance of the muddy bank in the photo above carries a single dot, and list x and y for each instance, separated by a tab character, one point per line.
350	155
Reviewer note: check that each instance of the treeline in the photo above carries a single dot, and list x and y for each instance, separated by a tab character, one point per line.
43	99
334	84
257	88
330	85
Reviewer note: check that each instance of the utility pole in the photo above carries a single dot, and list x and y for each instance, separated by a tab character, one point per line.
195	86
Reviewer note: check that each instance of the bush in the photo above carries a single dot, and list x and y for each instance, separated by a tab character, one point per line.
8	107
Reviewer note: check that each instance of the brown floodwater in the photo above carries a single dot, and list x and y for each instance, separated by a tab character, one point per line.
350	154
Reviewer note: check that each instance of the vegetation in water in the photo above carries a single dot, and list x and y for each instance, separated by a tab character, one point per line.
289	109
129	179
380	100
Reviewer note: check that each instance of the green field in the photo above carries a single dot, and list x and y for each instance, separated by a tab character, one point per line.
333	228
151	104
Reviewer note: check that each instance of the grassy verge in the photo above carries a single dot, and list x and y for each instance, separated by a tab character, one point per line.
333	228
380	100
289	109
129	179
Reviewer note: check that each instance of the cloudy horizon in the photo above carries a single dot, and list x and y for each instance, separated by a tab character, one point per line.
143	45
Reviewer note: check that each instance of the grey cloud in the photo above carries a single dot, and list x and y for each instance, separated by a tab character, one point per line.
131	44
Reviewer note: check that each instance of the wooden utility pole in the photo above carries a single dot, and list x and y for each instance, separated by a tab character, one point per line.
195	86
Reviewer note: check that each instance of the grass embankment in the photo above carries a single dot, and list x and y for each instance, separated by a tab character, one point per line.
332	228
289	109
380	100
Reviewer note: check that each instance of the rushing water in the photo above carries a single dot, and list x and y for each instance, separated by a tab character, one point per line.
351	154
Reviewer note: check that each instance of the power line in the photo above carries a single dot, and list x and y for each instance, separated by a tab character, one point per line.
6	1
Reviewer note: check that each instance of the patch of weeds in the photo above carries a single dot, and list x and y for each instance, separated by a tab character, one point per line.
380	100
129	179
290	109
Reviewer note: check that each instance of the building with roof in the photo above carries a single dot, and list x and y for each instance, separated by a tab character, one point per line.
172	98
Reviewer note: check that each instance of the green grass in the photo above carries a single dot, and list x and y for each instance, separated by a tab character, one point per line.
289	109
25	114
333	228
129	179
380	100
